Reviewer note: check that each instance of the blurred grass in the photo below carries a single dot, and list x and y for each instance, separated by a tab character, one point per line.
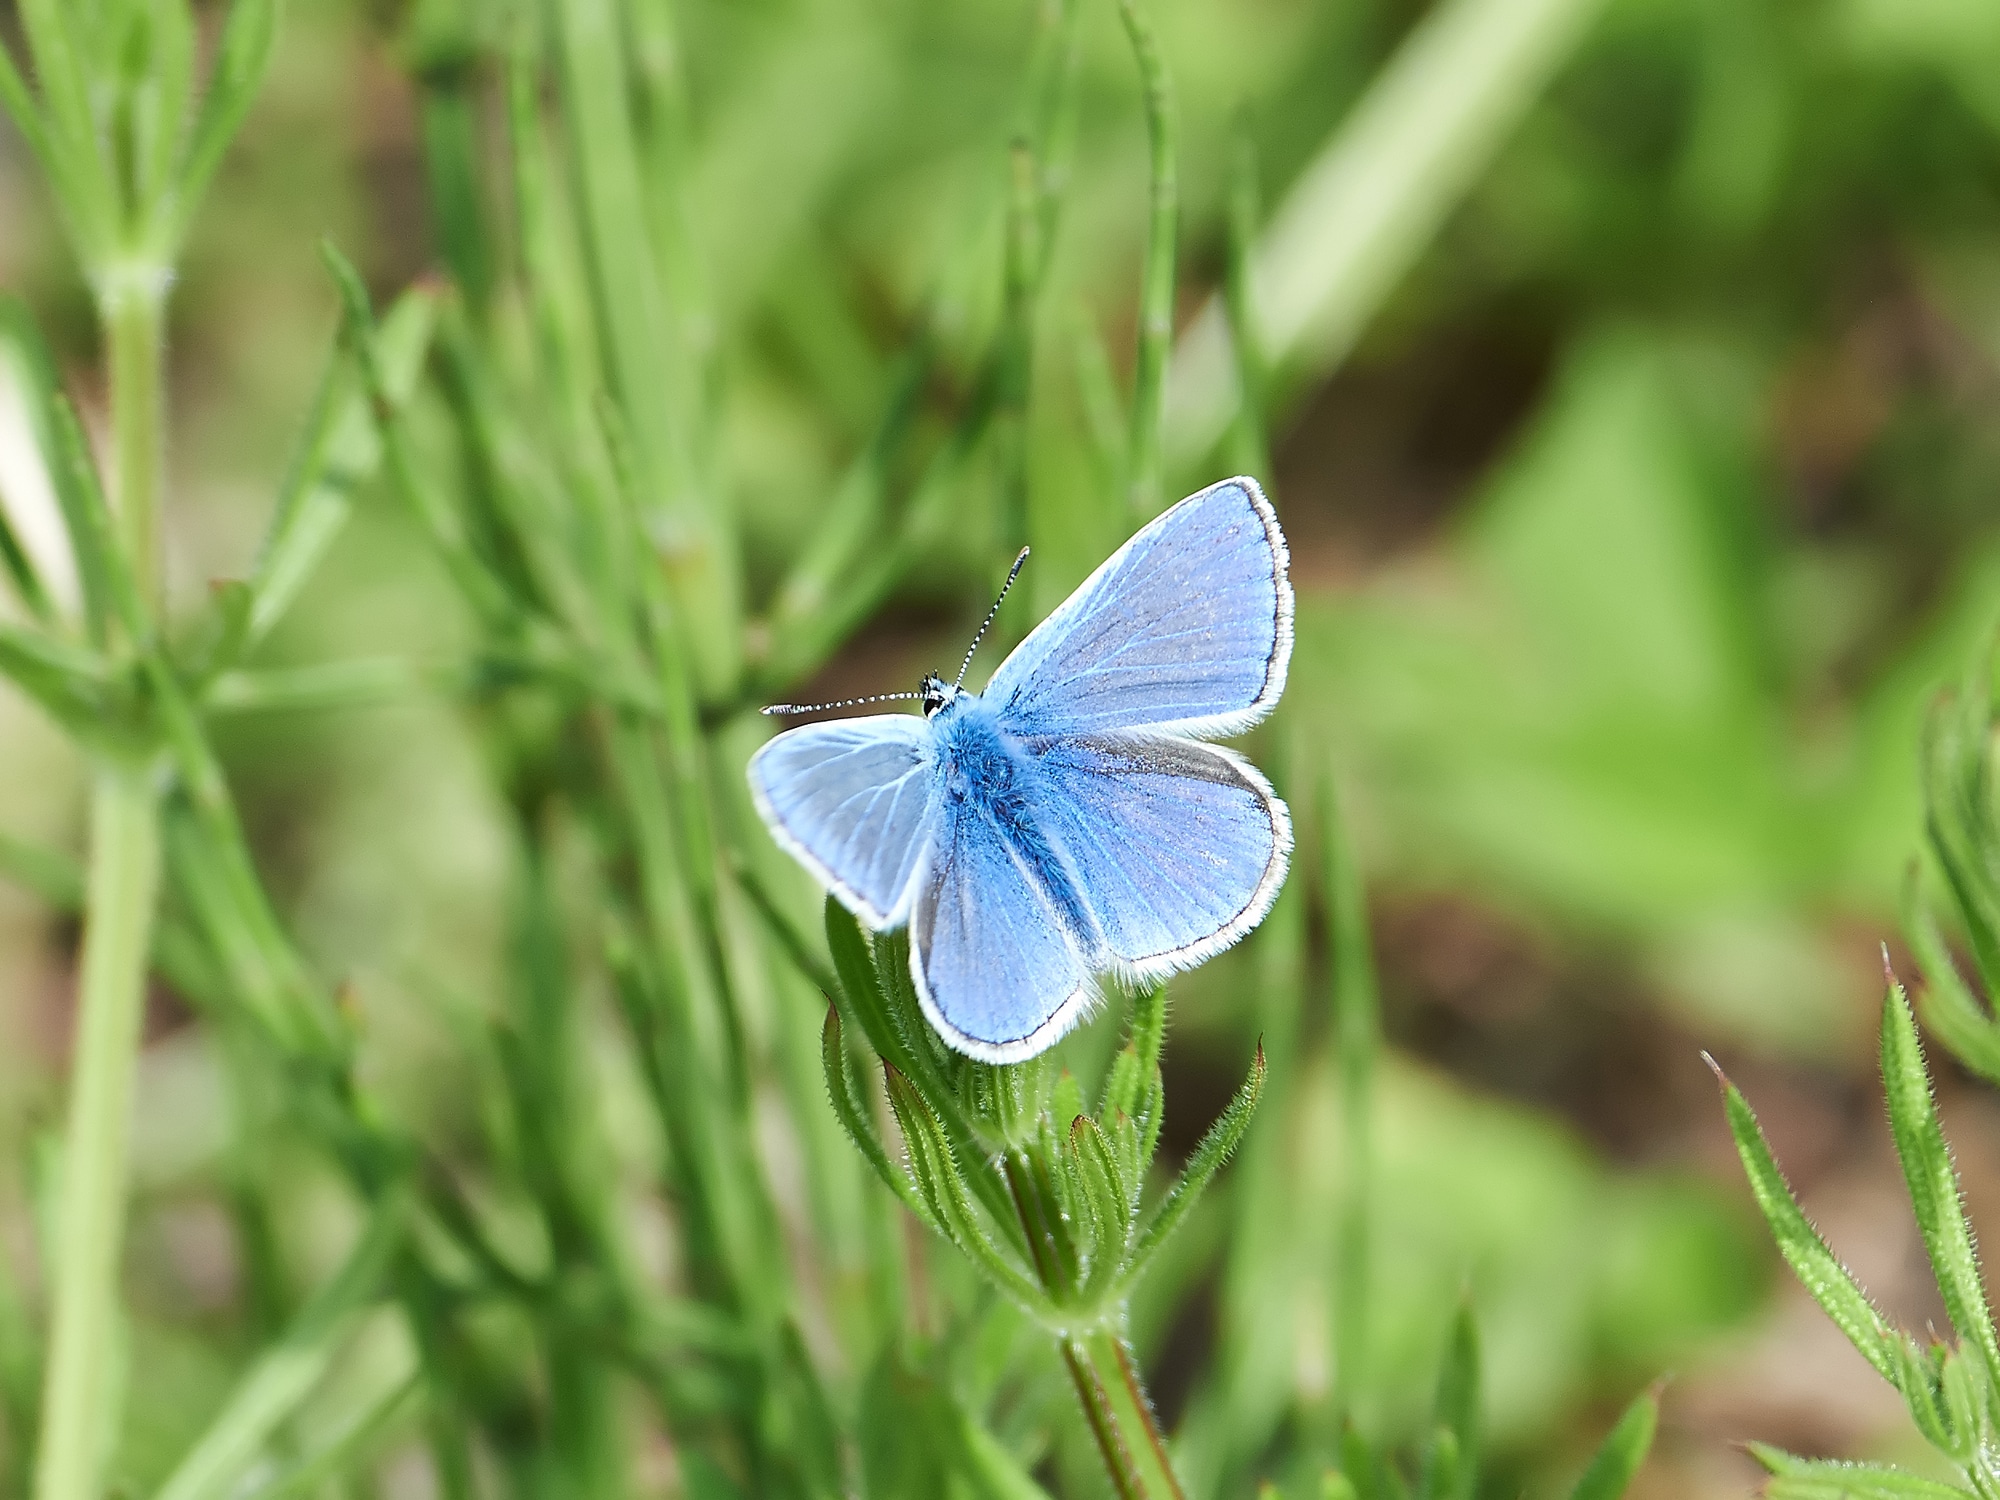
1656	504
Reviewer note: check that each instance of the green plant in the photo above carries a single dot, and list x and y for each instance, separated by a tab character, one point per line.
1952	1389
549	419
1039	1192
1949	1388
1447	1465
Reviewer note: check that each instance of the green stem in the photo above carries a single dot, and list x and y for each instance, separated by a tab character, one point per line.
1120	1415
132	306
79	1394
1156	294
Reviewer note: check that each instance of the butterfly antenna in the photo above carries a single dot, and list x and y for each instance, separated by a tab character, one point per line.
1012	573
813	708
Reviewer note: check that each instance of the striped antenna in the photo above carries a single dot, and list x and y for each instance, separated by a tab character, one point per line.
813	708
1012	573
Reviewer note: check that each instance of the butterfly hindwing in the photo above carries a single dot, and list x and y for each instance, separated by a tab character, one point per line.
996	964
1178	847
1186	629
855	801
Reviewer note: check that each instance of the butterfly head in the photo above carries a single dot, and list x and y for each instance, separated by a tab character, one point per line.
936	694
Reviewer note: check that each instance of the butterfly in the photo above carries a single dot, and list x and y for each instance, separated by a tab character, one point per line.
1070	821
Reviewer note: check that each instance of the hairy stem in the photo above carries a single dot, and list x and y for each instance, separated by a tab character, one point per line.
1120	1415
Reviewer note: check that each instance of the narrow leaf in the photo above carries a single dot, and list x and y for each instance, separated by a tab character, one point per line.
360	1439
22	109
247	39
861	992
272	1389
1623	1450
1222	1138
1453	1472
1828	1479
72	684
1098	1192
108	588
1950	1009
937	1171
851	1108
1821	1273
338	452
1933	1181
362	683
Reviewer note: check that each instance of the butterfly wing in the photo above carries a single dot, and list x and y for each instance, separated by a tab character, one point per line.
1186	629
997	970
1179	848
854	801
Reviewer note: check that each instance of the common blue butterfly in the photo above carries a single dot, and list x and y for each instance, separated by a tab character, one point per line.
1069	821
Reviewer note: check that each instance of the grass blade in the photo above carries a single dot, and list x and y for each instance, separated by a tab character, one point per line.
1623	1450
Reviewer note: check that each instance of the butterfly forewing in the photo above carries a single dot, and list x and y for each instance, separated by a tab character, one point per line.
1186	629
854	801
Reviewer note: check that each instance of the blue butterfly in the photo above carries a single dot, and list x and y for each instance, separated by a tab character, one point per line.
1070	821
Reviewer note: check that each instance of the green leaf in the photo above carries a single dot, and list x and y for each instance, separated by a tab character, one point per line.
1445	1468
1106	1209
937	1174
22	109
426	502
272	1389
1222	1138
338	452
1827	1479
73	685
362	1438
1958	811
861	991
850	1106
1950	1009
240	61
1623	1450
1822	1275
362	683
1452	1470
1933	1181
109	591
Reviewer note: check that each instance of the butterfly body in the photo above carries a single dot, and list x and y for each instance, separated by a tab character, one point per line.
1070	821
991	779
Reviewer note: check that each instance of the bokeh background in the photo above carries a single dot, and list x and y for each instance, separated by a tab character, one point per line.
1635	521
